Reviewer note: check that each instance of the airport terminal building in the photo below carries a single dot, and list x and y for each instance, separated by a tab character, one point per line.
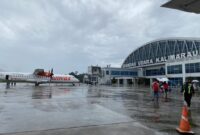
174	58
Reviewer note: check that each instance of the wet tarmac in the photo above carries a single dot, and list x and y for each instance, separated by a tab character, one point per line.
97	110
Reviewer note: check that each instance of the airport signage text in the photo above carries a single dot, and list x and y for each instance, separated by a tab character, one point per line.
163	59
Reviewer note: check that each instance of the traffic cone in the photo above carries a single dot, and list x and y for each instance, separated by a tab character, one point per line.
184	127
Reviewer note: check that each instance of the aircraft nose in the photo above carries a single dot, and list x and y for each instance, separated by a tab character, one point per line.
77	80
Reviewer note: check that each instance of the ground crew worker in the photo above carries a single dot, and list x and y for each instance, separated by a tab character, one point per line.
155	87
188	91
166	87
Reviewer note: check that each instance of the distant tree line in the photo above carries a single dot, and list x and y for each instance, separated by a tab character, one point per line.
78	76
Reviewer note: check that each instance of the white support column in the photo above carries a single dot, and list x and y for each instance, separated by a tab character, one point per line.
166	70
133	81
125	81
117	81
151	81
183	71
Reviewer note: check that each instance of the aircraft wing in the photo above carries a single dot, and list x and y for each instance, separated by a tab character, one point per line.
184	5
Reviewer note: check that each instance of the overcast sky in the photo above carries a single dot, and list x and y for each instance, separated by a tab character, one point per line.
70	35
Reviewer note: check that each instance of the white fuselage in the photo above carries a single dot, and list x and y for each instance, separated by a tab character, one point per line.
32	78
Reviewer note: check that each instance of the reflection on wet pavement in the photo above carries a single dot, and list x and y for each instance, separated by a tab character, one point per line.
29	108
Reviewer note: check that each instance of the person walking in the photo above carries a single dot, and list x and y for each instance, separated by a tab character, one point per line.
166	88
188	91
155	87
194	84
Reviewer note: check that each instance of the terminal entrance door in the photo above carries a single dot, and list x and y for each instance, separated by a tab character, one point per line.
147	82
121	81
144	81
129	81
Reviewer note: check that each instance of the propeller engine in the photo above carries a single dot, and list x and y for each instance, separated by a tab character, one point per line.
51	73
46	74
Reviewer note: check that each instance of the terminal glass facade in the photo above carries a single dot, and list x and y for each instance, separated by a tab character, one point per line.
192	68
154	72
175	69
151	59
176	81
123	73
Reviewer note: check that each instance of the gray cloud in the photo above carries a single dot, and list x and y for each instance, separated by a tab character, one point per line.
69	35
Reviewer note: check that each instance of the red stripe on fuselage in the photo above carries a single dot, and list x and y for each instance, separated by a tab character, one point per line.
61	78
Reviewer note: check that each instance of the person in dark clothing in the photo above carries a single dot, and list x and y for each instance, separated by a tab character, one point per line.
166	87
188	91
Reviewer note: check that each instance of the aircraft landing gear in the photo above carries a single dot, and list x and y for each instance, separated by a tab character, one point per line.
12	83
8	85
37	84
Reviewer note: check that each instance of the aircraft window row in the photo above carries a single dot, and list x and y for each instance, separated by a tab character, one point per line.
16	75
21	76
61	78
42	77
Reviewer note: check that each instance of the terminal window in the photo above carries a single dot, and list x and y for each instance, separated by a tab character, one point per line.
107	72
175	81
124	73
115	72
175	69
192	68
154	72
